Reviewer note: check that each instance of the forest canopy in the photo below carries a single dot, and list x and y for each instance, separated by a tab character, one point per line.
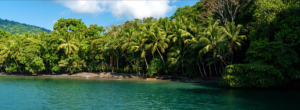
238	40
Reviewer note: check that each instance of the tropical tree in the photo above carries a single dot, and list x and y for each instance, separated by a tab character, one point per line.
179	32
233	36
156	40
69	44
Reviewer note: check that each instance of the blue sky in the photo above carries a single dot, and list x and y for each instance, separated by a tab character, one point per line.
101	12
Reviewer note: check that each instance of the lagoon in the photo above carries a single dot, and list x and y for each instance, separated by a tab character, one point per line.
60	93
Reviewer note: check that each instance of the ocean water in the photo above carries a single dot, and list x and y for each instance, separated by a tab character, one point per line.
37	93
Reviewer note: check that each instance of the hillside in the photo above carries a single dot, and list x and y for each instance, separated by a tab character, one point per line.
16	27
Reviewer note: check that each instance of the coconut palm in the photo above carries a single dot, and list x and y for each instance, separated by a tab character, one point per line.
212	39
7	49
179	32
69	44
156	40
235	40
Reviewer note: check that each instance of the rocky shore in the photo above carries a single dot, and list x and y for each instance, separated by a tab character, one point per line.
114	76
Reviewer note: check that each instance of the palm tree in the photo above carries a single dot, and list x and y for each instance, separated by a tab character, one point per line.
210	40
69	44
179	32
177	57
19	42
156	40
235	40
128	34
166	25
110	48
6	50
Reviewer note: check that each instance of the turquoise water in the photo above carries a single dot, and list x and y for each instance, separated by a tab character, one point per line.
35	93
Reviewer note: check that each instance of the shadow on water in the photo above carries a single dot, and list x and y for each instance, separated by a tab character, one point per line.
261	98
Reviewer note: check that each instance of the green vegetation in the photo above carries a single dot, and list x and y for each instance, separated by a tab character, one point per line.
203	40
251	75
15	27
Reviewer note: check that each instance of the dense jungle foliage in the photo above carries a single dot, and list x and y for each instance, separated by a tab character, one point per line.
249	43
15	27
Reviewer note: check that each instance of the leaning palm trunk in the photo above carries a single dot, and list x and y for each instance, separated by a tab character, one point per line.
224	62
215	68
146	61
161	56
200	70
126	58
138	65
204	69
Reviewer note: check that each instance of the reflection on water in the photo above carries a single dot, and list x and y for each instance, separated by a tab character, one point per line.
45	93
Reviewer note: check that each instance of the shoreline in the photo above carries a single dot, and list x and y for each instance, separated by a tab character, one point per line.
118	76
295	84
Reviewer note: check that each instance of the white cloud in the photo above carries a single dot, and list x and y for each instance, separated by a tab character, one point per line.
128	8
82	6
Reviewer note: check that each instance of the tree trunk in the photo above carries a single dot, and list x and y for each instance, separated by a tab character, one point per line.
161	56
18	65
204	69
138	65
102	66
99	68
126	58
117	63
130	69
215	68
220	69
209	70
106	66
222	66
146	61
70	70
111	63
224	62
200	70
